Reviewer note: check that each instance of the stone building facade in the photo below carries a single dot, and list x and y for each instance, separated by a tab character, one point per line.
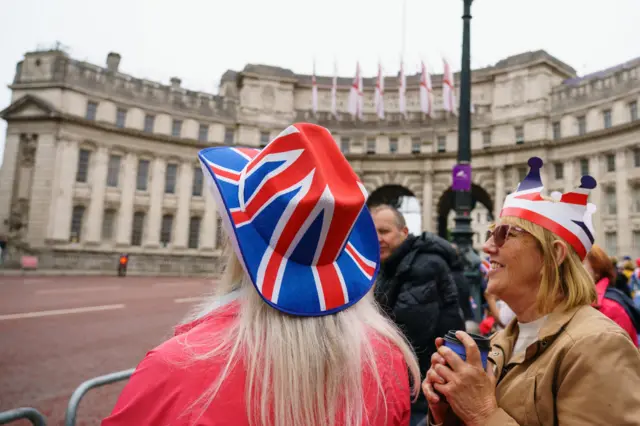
98	162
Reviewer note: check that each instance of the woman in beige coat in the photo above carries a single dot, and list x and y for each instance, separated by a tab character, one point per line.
560	361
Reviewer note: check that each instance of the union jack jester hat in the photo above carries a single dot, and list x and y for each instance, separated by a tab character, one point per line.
568	216
296	215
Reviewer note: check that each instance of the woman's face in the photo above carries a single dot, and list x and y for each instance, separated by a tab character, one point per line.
516	264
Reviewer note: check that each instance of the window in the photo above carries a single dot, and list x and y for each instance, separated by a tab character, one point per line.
557	133
582	125
519	135
415	145
203	133
486	139
264	139
143	175
170	179
113	171
108	220
635	241
558	169
83	165
121	117
92	110
442	143
149	122
611	163
344	145
371	146
633	110
196	187
220	233
522	173
635	198
611	243
228	136
610	200
165	230
194	232
393	145
606	115
137	228
584	166
176	128
77	215
636	157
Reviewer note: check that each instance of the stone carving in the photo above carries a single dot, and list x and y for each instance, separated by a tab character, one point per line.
28	147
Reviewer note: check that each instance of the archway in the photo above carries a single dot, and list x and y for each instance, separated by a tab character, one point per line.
481	216
404	200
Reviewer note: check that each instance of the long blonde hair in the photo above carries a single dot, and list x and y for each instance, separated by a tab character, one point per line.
567	283
302	371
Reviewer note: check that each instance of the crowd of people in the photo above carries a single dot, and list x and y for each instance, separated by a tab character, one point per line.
332	313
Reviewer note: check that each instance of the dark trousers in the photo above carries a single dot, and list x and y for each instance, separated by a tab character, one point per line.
418	419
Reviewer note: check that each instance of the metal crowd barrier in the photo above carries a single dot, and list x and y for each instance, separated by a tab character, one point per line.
31	414
79	393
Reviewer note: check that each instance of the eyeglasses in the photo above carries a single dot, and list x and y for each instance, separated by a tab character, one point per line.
501	233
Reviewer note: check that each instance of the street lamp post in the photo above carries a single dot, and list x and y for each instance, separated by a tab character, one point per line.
462	232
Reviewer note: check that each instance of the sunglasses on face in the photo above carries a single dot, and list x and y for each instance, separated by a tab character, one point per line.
501	233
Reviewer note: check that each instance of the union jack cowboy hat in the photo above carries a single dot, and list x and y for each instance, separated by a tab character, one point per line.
568	215
296	215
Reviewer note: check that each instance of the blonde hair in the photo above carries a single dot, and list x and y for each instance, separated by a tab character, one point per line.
301	371
567	283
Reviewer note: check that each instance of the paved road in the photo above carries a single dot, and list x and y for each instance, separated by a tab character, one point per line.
56	332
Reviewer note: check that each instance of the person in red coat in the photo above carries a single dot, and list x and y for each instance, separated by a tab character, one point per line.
603	272
292	335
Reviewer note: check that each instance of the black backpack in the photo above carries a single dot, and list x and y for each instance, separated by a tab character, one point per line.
627	304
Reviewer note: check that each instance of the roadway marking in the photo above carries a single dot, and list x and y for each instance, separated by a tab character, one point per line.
60	312
76	290
189	299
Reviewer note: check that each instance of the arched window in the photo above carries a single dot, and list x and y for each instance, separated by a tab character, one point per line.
194	232
136	228
108	222
77	217
165	230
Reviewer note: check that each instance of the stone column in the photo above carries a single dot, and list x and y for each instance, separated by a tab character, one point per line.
152	231
427	201
7	175
596	198
571	181
499	196
185	184
60	227
127	197
622	199
208	229
98	188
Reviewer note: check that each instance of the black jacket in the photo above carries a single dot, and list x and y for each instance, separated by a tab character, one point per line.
416	289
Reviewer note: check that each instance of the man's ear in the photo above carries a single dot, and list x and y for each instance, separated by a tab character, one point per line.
405	231
560	251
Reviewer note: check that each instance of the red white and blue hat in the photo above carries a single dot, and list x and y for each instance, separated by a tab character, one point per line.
296	215
568	215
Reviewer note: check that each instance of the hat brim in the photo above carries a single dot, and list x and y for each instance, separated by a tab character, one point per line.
301	289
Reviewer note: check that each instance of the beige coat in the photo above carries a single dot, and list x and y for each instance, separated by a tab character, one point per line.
583	370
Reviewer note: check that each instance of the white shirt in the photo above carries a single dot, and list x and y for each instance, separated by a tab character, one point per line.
528	334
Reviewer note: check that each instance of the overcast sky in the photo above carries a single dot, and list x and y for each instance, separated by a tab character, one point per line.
197	40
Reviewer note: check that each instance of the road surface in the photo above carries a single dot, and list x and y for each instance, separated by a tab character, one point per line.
56	332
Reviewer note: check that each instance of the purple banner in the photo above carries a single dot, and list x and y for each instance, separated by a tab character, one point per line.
462	177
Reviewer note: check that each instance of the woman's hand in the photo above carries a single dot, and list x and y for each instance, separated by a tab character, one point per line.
438	406
470	390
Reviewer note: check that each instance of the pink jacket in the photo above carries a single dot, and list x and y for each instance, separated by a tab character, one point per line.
614	311
163	386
